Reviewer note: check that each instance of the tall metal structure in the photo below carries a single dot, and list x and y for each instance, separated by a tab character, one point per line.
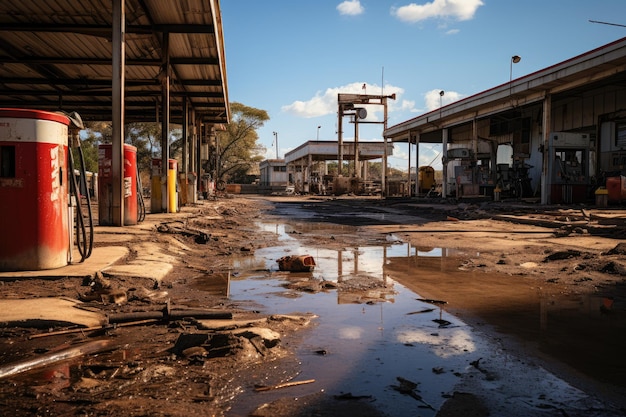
348	105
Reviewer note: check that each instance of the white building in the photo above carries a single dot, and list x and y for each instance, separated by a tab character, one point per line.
274	176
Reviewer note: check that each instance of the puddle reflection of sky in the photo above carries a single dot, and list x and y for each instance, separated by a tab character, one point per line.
368	345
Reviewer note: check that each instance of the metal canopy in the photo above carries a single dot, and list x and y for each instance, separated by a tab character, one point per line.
604	67
319	150
57	55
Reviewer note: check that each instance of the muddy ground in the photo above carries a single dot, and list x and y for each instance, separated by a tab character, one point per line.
522	263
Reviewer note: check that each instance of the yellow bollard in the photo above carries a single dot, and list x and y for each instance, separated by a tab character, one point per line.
172	189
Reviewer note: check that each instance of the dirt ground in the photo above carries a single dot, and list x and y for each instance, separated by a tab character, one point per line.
180	349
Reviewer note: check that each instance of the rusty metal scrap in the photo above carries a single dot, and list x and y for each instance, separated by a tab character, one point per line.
296	263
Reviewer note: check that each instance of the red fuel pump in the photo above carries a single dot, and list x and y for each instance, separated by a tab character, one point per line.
134	206
35	184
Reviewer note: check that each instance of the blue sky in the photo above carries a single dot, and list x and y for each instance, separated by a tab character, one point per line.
292	57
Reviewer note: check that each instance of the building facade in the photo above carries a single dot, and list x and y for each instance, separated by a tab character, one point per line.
555	135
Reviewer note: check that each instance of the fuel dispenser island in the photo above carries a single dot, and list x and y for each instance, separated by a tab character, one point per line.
40	197
568	167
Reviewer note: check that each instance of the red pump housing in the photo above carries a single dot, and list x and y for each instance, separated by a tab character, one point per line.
33	190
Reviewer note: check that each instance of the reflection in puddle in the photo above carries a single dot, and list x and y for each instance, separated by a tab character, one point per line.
370	329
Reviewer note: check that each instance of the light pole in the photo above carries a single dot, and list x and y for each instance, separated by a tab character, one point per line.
514	60
318	132
441	94
276	142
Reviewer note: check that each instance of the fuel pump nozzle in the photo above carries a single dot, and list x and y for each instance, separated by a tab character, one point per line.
84	237
76	120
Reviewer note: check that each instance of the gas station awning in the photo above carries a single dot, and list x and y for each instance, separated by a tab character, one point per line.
319	150
601	68
57	55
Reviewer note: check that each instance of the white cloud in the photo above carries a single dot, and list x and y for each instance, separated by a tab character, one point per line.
434	100
350	8
325	103
429	154
350	333
451	342
407	105
399	152
443	9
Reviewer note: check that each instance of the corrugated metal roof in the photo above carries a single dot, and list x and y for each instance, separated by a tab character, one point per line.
327	150
57	55
602	67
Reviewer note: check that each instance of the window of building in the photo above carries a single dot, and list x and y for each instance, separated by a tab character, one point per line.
620	135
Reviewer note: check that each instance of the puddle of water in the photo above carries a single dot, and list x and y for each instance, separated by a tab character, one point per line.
369	345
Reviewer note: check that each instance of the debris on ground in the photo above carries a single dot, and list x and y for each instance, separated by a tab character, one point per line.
561	255
296	263
260	388
350	396
620	249
429	301
210	359
199	236
409	388
50	358
426	310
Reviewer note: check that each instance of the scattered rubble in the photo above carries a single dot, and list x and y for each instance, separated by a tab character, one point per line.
116	346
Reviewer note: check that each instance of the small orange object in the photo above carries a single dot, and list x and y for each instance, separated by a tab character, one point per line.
296	263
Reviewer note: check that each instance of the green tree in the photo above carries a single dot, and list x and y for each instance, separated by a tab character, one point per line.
347	170
176	144
89	147
91	136
237	148
146	137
